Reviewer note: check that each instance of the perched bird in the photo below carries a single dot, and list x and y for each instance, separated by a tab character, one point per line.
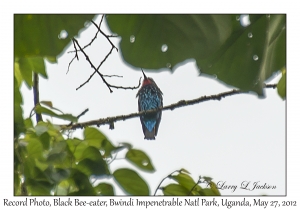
149	97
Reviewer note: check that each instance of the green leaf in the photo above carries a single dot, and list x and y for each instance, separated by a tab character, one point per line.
40	129
239	56
77	147
50	105
127	145
53	130
18	120
41	165
57	174
17	183
92	163
43	110
38	35
47	103
51	59
60	155
251	54
39	188
83	185
175	190
184	171
108	148
35	149
27	65
214	188
26	71
17	73
18	100
91	153
186	36
45	139
65	186
131	182
94	137
18	112
28	123
90	167
104	189
281	86
140	159
186	181
29	166
207	178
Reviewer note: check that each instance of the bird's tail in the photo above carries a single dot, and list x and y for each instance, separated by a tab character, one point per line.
149	135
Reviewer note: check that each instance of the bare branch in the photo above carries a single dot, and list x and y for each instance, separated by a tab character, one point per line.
96	70
92	65
112	36
112	75
107	37
36	95
70	64
90	43
182	103
101	75
75	56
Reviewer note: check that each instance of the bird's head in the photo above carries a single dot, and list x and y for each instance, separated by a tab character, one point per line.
147	80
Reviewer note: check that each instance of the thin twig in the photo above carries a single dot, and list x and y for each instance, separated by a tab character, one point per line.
112	75
92	65
126	88
94	38
164	180
112	36
113	46
271	86
96	70
70	64
75	56
198	182
182	103
101	75
81	114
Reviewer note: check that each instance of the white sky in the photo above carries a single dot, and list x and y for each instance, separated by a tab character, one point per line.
239	138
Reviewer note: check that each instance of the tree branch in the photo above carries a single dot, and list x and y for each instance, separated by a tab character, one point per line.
111	120
36	97
96	70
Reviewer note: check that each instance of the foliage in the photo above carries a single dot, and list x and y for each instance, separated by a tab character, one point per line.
185	185
53	165
239	55
45	35
281	87
39	37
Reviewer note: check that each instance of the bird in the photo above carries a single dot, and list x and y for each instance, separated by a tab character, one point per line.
149	97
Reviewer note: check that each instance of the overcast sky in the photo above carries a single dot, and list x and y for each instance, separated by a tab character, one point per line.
240	138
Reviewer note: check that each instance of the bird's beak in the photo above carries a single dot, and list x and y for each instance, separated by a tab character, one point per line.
145	77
